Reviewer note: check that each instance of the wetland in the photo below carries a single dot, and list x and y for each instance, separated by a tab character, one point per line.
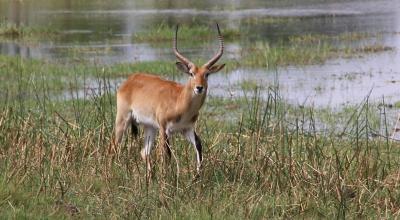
301	123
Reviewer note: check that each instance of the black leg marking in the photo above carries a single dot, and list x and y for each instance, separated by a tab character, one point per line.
135	129
178	118
198	145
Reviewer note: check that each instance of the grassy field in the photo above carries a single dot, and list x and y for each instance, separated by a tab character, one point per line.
268	160
263	158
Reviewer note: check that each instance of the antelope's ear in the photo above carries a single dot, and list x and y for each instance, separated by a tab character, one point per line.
215	68
183	67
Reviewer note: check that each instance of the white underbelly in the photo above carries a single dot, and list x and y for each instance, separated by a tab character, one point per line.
148	120
144	119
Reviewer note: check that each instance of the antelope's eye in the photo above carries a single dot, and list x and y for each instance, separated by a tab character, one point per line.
191	74
206	75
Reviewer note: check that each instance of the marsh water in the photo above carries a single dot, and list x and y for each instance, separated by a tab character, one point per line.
101	32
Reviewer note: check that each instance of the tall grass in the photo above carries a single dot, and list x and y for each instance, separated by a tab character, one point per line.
56	161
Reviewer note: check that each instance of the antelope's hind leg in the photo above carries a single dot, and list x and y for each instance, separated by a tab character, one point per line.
149	135
122	121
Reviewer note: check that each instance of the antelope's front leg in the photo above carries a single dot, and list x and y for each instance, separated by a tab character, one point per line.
191	136
165	150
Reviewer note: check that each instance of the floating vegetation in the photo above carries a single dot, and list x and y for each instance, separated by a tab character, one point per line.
344	37
303	52
248	85
164	32
10	31
269	20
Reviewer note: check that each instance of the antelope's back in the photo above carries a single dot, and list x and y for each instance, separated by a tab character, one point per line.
142	89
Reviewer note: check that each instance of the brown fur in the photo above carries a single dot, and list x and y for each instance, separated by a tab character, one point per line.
166	100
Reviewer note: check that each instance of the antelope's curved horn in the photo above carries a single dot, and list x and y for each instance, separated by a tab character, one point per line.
179	55
220	52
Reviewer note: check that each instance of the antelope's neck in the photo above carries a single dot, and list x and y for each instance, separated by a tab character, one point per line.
191	102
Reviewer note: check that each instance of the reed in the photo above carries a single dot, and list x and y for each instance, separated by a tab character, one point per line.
262	162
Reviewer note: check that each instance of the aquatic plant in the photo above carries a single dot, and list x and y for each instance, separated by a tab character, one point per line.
11	31
164	32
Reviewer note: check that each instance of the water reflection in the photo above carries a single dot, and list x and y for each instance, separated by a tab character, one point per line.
112	25
336	83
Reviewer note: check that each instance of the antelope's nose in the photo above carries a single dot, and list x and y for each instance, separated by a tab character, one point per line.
199	89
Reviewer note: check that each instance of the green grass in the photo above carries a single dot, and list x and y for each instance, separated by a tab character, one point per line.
267	160
26	34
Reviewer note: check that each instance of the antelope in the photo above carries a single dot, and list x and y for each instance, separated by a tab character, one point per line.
171	107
